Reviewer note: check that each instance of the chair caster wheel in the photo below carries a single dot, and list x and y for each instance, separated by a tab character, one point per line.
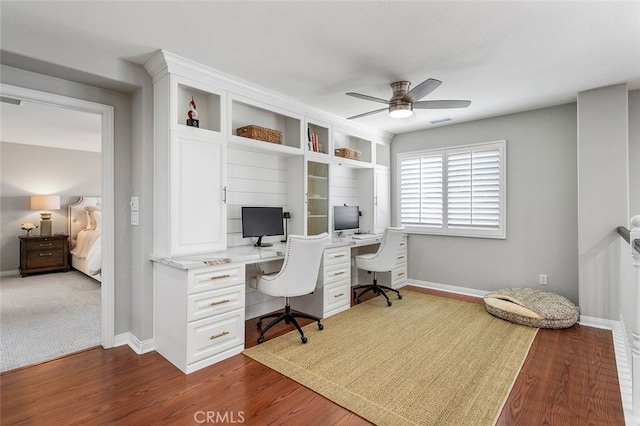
320	326
259	324
389	303
260	339
304	339
399	296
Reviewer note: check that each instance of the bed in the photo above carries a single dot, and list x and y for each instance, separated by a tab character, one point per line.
85	236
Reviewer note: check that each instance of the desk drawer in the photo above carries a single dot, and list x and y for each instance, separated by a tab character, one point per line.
335	273
213	335
337	295
210	303
215	277
336	256
399	275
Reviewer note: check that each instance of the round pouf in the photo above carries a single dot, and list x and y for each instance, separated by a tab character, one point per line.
532	307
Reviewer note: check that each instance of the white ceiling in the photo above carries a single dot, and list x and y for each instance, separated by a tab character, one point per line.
503	56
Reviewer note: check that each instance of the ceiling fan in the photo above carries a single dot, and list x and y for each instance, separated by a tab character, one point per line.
405	99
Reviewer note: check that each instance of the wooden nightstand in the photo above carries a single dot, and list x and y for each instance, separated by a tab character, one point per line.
41	253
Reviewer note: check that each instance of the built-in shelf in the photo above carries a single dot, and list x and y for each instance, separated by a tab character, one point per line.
317	197
245	112
318	139
208	106
363	146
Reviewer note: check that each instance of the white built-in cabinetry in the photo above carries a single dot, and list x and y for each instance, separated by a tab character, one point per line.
199	313
332	294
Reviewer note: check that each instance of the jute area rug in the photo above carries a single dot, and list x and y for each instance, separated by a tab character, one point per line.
426	360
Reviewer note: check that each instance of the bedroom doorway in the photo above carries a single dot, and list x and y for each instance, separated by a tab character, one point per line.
106	114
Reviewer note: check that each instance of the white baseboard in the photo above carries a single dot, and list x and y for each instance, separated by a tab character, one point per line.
9	273
599	323
138	346
449	288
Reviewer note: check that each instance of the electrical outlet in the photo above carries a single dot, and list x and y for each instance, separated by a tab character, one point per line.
543	279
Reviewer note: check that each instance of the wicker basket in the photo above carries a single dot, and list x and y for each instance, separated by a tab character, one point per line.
348	153
260	133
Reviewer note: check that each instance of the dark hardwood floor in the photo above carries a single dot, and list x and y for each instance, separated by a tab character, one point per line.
568	378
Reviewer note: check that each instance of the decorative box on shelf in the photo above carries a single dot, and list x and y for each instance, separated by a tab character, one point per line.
260	133
349	153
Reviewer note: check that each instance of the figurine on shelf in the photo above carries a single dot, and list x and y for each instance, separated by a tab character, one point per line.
193	115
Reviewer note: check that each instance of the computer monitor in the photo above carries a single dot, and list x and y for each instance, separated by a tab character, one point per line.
346	218
262	222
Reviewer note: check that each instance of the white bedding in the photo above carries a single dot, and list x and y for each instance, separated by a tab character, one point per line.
86	240
89	247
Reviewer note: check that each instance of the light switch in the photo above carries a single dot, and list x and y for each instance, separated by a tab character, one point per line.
134	218
135	205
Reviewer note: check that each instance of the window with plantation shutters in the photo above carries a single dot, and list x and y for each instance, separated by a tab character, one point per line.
454	191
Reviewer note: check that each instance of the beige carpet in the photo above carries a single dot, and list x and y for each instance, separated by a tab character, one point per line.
425	360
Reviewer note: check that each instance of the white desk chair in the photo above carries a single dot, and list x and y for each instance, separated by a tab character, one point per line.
297	277
384	260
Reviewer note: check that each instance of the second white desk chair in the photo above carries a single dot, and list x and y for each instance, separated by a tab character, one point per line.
384	260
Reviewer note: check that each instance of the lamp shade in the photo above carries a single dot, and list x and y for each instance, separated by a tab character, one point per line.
45	202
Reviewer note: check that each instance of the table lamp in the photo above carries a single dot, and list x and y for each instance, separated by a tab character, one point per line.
45	203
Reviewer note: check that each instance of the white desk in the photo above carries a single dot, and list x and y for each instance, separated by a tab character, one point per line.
199	301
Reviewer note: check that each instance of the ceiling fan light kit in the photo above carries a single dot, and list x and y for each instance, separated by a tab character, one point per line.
404	99
401	110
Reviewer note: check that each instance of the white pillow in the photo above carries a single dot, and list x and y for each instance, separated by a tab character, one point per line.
97	216
91	221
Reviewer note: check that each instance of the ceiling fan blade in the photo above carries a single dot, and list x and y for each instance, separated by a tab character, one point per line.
441	104
368	98
367	113
422	90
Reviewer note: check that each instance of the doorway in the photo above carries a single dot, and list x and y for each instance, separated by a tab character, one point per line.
106	114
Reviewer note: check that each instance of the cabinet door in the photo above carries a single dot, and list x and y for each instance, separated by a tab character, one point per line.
317	198
198	190
382	206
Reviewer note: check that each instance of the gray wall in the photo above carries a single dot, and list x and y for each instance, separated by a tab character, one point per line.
26	170
603	193
132	100
541	207
634	153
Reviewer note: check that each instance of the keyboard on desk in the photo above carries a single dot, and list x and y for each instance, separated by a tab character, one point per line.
364	236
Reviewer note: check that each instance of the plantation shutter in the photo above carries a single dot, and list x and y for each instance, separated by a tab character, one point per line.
454	191
473	191
421	194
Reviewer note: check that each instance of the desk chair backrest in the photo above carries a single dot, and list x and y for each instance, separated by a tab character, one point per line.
299	272
386	257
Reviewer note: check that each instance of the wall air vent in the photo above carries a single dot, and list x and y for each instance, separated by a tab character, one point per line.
11	101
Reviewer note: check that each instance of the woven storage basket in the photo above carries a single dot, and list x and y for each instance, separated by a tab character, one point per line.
260	133
348	153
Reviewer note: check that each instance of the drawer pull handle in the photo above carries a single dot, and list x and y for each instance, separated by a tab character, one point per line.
220	302
224	333
400	257
46	245
338	273
46	254
339	295
401	274
220	277
339	255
